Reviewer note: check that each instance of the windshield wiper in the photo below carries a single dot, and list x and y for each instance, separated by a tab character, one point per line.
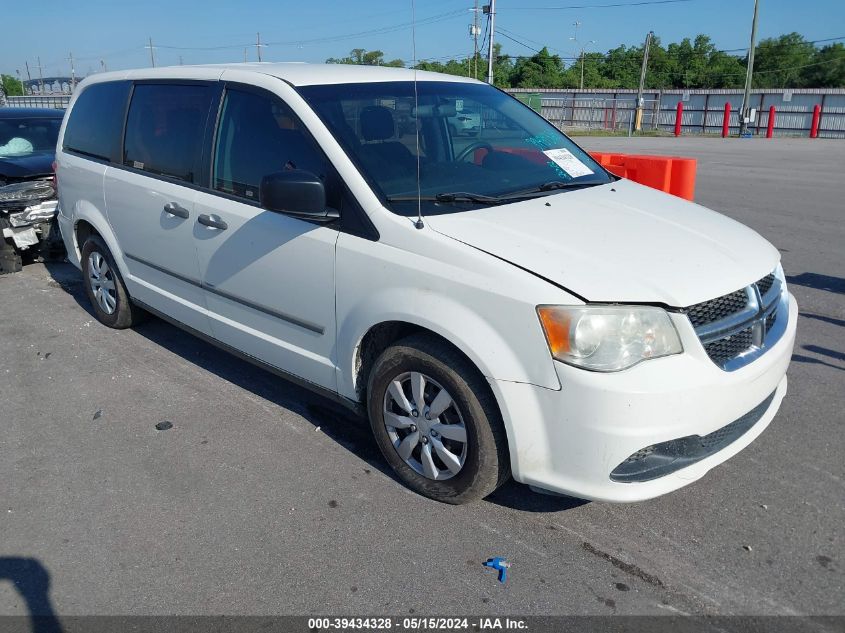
456	196
559	184
553	185
468	196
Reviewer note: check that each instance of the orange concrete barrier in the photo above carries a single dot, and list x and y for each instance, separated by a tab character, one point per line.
672	174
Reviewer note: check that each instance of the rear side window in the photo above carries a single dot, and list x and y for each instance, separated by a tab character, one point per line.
96	120
164	129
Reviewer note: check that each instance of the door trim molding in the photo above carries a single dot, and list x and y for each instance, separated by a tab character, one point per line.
306	325
356	407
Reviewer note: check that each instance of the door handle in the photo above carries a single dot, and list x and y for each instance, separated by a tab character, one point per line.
213	221
174	208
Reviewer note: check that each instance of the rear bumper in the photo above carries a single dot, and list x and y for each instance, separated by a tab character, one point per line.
66	229
570	441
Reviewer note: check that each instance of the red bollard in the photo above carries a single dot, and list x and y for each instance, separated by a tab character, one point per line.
678	114
726	121
817	115
770	129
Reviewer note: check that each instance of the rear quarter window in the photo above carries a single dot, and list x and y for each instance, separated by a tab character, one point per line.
95	123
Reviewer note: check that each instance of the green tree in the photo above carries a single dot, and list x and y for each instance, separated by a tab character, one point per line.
11	86
621	67
828	69
542	70
780	62
363	57
503	68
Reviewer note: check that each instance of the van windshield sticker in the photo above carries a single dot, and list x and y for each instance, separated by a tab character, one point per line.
567	161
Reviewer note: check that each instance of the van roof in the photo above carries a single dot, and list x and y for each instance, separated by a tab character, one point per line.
295	73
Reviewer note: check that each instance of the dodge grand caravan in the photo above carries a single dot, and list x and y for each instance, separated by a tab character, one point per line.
495	303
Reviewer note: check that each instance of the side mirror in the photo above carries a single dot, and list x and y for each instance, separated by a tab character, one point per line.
296	192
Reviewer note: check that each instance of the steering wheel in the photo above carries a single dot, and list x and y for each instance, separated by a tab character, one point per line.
469	149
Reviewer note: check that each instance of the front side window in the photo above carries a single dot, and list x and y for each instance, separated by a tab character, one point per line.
22	137
259	135
476	145
165	127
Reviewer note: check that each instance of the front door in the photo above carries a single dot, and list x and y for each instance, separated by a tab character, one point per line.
268	278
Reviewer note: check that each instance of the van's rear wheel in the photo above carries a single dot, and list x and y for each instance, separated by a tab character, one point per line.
105	288
436	422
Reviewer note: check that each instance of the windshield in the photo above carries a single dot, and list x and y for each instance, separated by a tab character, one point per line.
21	137
477	145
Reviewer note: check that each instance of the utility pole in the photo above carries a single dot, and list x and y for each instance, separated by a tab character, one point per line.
583	48
152	53
490	9
258	45
245	50
28	78
639	116
745	112
40	76
72	72
476	31
582	61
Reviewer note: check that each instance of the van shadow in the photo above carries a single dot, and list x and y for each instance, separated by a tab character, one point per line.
334	420
819	282
32	581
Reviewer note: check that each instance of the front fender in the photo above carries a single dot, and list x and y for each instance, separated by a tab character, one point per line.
475	336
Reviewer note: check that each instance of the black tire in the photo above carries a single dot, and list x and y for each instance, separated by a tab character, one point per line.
487	463
10	258
125	314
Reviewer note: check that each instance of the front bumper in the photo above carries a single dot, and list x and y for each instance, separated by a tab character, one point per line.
570	441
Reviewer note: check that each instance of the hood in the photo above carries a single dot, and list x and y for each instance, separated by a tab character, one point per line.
620	242
30	165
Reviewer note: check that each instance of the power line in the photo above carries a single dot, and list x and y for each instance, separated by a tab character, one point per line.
597	6
505	35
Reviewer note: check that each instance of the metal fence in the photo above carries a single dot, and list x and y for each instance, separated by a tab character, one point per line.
703	111
39	101
599	114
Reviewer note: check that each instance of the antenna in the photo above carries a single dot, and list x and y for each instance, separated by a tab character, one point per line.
419	223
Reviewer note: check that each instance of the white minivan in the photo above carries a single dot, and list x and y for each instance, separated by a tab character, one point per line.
496	304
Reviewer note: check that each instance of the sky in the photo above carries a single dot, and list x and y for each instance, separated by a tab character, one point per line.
117	32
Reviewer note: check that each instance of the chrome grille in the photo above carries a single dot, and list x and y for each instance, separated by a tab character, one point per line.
770	320
765	284
715	309
735	324
724	349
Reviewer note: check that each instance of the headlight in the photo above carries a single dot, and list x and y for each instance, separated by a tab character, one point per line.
27	192
608	338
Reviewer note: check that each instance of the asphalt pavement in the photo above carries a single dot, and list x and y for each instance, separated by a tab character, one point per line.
264	499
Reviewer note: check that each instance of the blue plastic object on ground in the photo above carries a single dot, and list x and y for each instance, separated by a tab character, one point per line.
499	564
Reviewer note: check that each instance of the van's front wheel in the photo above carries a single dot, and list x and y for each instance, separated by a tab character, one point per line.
105	288
436	422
